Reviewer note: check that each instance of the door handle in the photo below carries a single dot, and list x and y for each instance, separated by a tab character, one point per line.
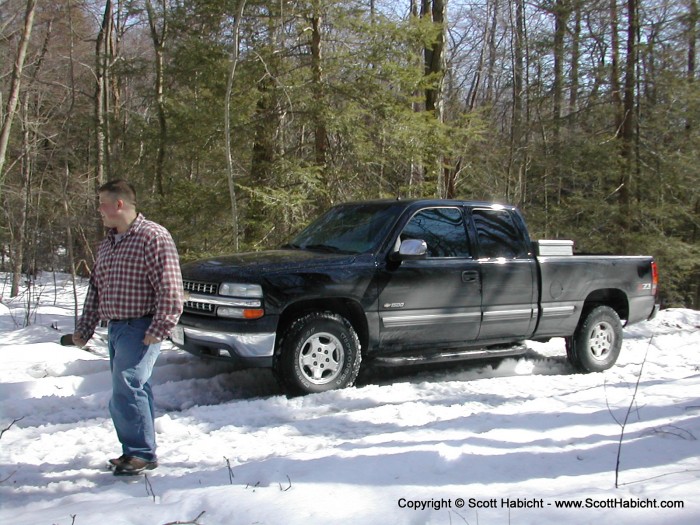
470	276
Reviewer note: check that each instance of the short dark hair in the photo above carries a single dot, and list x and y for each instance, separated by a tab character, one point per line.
120	189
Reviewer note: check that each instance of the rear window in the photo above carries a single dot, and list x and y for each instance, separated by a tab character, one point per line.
497	234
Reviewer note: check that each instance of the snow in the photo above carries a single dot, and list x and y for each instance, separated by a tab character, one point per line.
508	442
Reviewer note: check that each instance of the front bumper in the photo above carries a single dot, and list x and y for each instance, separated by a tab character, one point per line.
245	349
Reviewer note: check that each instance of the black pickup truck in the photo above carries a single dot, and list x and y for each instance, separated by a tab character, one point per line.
404	282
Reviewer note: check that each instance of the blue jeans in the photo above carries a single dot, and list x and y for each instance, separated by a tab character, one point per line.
131	406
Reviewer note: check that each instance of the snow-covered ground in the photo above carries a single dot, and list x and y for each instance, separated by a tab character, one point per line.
509	443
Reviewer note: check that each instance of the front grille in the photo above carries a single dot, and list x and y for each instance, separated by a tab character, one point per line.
197	287
196	307
199	308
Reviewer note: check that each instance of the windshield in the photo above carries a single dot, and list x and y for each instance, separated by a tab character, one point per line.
349	228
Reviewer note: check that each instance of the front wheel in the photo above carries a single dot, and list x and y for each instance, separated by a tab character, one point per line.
320	352
595	346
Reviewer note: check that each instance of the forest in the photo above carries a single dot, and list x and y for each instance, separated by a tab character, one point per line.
238	121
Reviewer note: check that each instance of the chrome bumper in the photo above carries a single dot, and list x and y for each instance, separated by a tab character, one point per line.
235	345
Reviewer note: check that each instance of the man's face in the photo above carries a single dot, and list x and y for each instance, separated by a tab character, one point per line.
109	209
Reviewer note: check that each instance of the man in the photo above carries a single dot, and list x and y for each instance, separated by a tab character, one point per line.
136	286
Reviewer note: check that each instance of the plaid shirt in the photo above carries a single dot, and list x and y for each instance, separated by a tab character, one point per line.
136	276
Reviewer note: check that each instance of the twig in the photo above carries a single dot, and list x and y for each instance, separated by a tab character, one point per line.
10	426
230	471
627	414
8	477
149	488
659	476
193	522
289	487
675	431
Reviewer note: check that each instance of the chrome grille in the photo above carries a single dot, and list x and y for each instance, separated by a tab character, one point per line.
197	287
199	308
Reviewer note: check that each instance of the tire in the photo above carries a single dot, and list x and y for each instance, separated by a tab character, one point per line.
320	352
595	346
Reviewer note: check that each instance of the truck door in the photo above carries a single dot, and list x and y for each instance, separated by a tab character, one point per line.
436	299
508	276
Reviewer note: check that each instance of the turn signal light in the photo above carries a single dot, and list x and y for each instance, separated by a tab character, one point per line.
240	313
253	313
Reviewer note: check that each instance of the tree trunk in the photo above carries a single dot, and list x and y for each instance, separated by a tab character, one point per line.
20	213
434	67
561	16
575	58
15	82
320	129
517	139
615	90
693	16
231	172
101	61
158	37
628	124
267	139
70	244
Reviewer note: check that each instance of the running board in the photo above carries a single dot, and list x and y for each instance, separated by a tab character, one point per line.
447	356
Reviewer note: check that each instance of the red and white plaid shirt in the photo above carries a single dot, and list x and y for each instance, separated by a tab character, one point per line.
136	276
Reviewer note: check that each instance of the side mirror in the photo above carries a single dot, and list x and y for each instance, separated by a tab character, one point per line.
410	249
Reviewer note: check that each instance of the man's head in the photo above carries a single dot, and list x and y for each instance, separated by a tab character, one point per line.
117	204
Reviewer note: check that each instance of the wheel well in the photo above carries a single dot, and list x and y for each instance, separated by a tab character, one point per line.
612	297
349	309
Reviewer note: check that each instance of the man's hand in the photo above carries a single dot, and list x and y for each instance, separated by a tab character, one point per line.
79	341
150	340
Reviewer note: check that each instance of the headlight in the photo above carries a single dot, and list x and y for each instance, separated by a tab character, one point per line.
240	290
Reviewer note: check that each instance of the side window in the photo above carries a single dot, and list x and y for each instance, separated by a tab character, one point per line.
497	234
442	229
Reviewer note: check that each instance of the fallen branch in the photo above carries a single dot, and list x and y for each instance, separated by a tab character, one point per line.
9	427
230	471
149	488
3	480
192	522
289	487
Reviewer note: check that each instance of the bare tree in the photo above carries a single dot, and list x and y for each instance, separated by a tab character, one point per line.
235	53
15	83
627	135
159	35
102	59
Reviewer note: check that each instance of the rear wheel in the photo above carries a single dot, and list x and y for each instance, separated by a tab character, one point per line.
595	346
320	352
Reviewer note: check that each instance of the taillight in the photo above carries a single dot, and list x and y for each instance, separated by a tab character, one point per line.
654	277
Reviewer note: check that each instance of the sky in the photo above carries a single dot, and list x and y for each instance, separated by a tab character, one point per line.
515	441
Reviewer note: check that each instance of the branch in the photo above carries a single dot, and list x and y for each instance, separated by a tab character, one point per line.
230	471
149	488
9	427
627	414
193	522
283	489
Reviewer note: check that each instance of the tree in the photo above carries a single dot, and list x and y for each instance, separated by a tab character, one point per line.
15	84
159	36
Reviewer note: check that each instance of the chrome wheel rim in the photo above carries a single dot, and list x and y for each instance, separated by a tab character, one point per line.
601	341
321	358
